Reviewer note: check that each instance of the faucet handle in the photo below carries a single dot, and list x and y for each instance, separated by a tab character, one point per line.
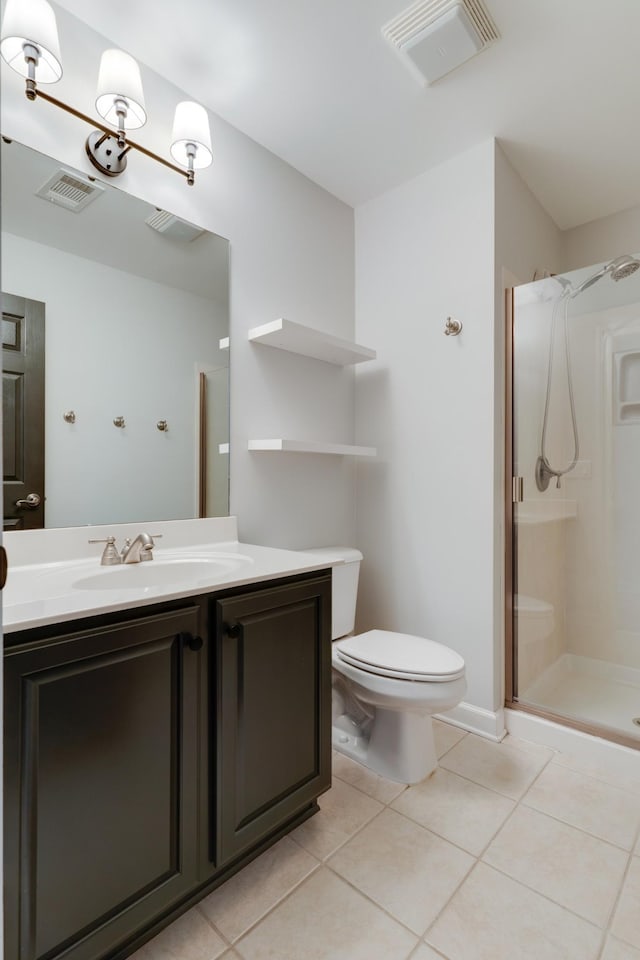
110	555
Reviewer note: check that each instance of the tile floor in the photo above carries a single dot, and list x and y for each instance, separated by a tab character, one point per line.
508	851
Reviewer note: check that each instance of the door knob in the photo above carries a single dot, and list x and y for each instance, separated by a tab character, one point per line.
31	501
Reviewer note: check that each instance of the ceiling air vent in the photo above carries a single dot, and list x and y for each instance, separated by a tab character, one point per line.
433	37
68	190
173	227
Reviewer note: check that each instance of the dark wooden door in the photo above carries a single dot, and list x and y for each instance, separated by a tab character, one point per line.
272	676
23	411
101	731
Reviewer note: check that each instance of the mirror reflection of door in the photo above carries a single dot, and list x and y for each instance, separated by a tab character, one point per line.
23	412
213	453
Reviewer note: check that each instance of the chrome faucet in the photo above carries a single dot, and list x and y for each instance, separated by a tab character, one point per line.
133	551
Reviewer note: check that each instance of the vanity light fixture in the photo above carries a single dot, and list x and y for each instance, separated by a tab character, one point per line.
29	44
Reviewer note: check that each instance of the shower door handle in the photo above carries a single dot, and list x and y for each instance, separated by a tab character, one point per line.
517	489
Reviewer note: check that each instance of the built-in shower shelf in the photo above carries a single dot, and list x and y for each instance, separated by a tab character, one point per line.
545	511
629	412
279	445
296	338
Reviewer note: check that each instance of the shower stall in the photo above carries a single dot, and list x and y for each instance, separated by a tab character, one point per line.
573	449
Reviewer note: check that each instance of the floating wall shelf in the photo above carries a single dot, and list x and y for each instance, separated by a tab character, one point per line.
311	446
296	338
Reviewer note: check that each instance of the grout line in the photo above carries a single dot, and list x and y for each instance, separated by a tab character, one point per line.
616	902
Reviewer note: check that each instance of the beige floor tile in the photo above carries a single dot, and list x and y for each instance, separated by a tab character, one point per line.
189	937
251	893
326	919
343	810
425	952
446	736
591	805
502	767
366	780
456	809
626	920
492	917
528	746
624	779
616	950
403	867
576	870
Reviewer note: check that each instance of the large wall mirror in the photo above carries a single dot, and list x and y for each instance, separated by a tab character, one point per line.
125	308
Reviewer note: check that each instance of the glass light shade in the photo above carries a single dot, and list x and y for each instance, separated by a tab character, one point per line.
33	22
119	79
191	125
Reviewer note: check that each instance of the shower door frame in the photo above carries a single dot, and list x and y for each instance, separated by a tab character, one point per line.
511	562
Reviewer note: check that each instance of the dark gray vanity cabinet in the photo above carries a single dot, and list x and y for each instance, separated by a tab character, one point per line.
101	766
151	753
272	671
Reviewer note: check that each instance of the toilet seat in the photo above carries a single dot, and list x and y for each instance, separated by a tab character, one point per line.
400	656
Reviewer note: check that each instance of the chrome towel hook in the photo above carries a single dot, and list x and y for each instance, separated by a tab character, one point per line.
452	327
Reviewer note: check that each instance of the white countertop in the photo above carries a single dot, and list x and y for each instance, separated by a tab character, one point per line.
75	585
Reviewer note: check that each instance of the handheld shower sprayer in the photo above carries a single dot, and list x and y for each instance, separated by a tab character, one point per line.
618	269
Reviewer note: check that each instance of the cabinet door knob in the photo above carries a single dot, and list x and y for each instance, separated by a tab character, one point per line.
188	640
233	630
4	566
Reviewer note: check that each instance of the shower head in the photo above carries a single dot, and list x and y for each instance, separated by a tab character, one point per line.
623	267
619	268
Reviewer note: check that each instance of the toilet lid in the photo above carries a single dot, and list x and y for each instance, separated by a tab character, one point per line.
401	655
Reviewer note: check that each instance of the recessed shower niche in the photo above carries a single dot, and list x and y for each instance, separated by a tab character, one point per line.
627	386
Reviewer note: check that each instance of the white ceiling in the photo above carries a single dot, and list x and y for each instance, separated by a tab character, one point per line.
315	82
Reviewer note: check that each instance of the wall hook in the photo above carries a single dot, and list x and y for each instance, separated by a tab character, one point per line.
69	416
118	422
452	327
162	425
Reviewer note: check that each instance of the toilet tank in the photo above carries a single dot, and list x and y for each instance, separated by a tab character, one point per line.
344	587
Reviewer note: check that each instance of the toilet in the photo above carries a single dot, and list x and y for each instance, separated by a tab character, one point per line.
386	686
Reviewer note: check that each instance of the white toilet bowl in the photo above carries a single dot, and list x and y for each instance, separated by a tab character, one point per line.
386	686
387	696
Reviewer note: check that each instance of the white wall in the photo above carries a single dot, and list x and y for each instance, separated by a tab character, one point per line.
424	251
429	509
602	239
291	255
102	363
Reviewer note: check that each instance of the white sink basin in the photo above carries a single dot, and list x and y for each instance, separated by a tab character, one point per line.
175	572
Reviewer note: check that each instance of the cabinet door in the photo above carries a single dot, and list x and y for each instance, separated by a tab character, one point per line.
100	784
273	685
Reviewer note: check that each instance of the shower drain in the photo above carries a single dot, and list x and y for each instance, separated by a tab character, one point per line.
636	720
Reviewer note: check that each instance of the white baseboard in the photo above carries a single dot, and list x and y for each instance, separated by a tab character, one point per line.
476	720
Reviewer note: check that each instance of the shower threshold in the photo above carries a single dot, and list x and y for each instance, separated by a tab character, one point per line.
591	691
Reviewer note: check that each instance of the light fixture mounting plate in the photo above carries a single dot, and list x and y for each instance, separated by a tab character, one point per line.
105	154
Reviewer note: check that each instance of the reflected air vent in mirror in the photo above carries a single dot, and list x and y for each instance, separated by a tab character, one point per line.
173	227
70	191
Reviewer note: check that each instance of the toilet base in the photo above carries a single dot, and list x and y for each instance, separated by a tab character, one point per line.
394	744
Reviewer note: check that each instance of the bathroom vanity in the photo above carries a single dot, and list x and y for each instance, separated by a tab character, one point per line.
156	744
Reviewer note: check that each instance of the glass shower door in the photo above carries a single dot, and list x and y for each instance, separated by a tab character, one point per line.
576	532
